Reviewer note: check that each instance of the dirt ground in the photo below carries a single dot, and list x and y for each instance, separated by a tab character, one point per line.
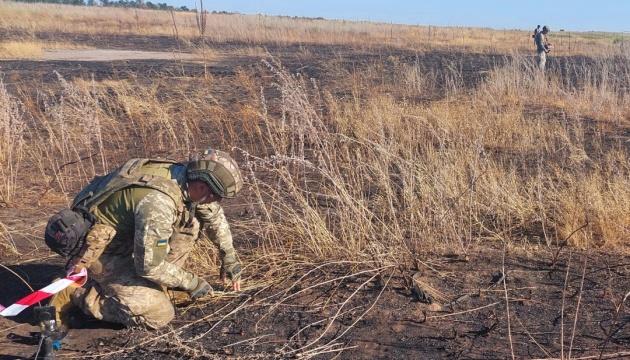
114	55
560	301
343	306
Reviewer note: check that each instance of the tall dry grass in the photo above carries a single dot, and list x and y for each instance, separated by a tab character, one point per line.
12	144
374	176
29	20
519	158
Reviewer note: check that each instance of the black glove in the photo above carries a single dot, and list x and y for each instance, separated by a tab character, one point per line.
231	267
201	290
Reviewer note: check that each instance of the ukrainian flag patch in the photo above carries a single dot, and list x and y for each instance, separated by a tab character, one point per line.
162	242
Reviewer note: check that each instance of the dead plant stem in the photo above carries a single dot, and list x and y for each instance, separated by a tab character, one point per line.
577	307
507	302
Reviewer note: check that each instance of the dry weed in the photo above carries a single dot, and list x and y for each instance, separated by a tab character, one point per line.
12	144
7	245
30	49
374	177
32	19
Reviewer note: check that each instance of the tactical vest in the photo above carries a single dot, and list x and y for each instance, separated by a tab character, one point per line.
128	175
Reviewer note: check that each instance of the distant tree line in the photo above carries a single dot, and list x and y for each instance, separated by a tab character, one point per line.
113	3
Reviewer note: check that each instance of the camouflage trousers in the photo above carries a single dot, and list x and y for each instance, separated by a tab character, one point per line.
117	294
542	60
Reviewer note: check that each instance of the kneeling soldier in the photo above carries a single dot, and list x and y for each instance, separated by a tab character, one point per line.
144	219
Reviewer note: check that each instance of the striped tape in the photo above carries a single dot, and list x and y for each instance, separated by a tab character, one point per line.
77	279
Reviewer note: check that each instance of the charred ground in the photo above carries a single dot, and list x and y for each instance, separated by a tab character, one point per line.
561	300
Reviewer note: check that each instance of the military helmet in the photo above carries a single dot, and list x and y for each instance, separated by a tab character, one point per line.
545	29
218	170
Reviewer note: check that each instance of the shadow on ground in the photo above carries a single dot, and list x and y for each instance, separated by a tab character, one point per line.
13	288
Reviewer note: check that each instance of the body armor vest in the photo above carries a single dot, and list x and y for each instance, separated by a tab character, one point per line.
128	175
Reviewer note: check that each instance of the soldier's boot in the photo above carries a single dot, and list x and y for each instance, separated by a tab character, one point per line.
65	306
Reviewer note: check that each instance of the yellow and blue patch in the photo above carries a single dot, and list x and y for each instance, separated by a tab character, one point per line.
162	242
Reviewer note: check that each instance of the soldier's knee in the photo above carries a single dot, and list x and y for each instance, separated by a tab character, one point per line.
132	305
158	317
153	313
154	310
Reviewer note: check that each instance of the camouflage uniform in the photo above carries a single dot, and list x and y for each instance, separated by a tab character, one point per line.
138	248
542	48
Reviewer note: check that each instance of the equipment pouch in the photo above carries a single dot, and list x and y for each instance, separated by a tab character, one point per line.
66	230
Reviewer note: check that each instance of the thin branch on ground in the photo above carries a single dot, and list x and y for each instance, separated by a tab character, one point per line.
507	302
577	307
564	290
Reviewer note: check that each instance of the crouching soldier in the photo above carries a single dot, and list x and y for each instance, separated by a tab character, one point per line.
140	223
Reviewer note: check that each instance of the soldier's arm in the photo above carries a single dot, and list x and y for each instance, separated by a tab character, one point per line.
213	221
154	218
96	240
216	227
546	44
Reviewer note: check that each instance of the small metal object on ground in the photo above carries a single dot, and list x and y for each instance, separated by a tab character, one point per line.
50	336
424	292
497	278
419	291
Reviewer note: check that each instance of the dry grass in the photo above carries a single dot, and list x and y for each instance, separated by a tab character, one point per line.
20	49
12	143
374	176
30	49
363	171
31	19
389	175
7	245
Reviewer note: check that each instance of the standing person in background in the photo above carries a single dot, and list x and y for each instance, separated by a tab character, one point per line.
536	31
542	47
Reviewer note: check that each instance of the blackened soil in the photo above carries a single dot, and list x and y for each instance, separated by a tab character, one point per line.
574	304
29	72
325	63
366	313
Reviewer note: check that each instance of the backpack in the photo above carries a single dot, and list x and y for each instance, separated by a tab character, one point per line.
536	31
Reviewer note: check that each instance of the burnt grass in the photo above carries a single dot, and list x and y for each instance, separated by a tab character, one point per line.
317	61
559	299
389	322
311	60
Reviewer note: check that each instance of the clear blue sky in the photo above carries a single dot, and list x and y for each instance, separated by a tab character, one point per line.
582	15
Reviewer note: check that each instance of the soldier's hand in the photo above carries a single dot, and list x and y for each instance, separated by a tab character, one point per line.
233	273
231	269
201	290
236	284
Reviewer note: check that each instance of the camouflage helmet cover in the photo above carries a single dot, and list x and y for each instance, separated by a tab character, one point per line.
218	170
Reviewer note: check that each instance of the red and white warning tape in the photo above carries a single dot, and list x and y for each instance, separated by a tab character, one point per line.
77	279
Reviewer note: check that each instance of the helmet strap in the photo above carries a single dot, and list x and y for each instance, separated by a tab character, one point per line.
192	209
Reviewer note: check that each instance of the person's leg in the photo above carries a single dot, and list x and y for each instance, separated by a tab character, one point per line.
542	60
122	297
97	239
125	298
130	301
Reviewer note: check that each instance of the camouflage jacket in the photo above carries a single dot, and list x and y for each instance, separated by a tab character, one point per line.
150	217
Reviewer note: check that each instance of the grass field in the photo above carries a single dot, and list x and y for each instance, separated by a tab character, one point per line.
36	20
409	148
